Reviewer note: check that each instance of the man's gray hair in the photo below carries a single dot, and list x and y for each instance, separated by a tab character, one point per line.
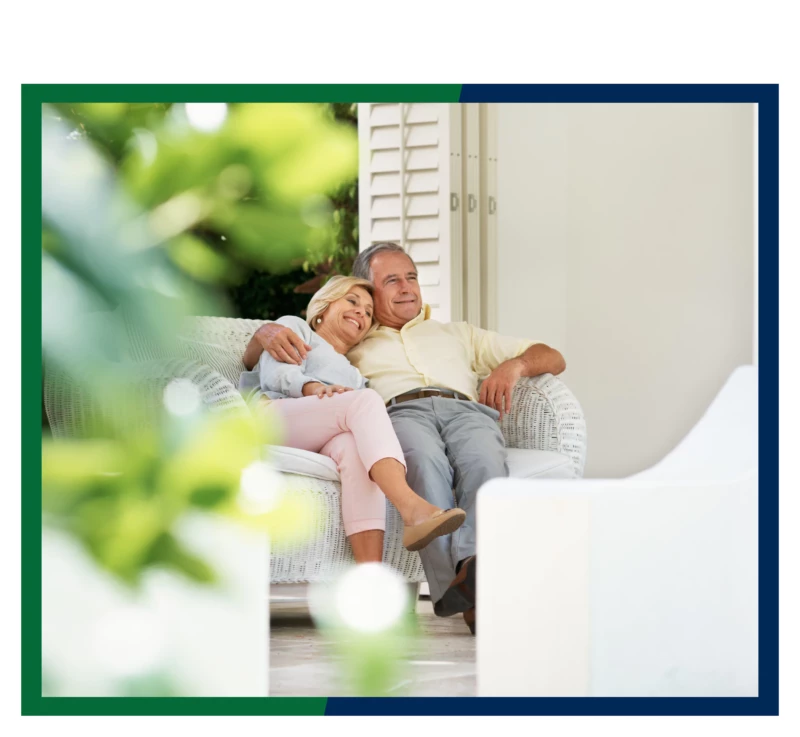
361	266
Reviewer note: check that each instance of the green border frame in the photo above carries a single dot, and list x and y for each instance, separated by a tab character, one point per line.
33	97
43	93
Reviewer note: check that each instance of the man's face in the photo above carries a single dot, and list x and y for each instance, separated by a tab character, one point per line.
397	296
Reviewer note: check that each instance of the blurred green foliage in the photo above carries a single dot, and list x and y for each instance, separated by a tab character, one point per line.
122	496
268	296
150	212
275	186
344	201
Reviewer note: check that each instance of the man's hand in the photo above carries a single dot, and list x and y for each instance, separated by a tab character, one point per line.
315	388
282	343
498	388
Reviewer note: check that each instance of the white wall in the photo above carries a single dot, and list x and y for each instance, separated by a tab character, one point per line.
625	240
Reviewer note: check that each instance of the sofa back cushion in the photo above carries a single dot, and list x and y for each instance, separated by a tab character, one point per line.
217	342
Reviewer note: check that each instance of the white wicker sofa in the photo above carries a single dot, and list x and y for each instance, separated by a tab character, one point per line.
545	434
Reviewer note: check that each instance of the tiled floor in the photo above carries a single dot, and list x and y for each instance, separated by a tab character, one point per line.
441	662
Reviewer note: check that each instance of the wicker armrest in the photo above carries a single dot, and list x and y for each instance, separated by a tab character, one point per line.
546	416
73	411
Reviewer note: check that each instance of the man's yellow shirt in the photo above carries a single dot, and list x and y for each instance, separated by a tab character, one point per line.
426	352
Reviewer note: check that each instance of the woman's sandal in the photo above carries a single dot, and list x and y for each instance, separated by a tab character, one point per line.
443	522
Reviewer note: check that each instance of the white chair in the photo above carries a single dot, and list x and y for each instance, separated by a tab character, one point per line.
545	432
645	586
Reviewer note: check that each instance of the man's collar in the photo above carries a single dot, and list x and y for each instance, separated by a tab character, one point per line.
424	314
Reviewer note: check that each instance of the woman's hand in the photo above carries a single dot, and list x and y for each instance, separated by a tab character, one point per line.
315	388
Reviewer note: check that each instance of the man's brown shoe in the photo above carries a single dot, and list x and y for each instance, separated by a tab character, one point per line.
460	595
469	618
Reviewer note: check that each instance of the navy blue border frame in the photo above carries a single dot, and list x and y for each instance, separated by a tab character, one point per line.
766	703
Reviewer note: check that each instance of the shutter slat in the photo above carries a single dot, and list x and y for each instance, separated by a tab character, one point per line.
423	229
385	138
422	112
419	229
387	206
384	114
422	204
428	274
388	137
418	182
384	184
426	134
419	205
389	113
385	230
422	181
424	252
385	161
424	158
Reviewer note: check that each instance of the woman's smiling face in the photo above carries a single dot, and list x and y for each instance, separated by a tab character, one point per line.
350	317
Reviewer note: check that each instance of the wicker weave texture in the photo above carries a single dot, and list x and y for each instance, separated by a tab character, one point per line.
545	415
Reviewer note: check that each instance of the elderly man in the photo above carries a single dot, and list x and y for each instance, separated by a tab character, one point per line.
428	373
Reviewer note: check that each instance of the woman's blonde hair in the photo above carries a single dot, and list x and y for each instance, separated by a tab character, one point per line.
336	288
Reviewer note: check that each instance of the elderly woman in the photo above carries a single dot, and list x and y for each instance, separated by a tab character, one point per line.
325	407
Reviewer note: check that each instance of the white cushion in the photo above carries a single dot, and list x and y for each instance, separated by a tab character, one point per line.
303	462
538	464
522	464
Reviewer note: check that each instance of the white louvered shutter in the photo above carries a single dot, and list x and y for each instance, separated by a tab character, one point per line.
405	188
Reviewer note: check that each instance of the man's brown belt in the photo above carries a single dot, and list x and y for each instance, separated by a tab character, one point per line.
426	394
